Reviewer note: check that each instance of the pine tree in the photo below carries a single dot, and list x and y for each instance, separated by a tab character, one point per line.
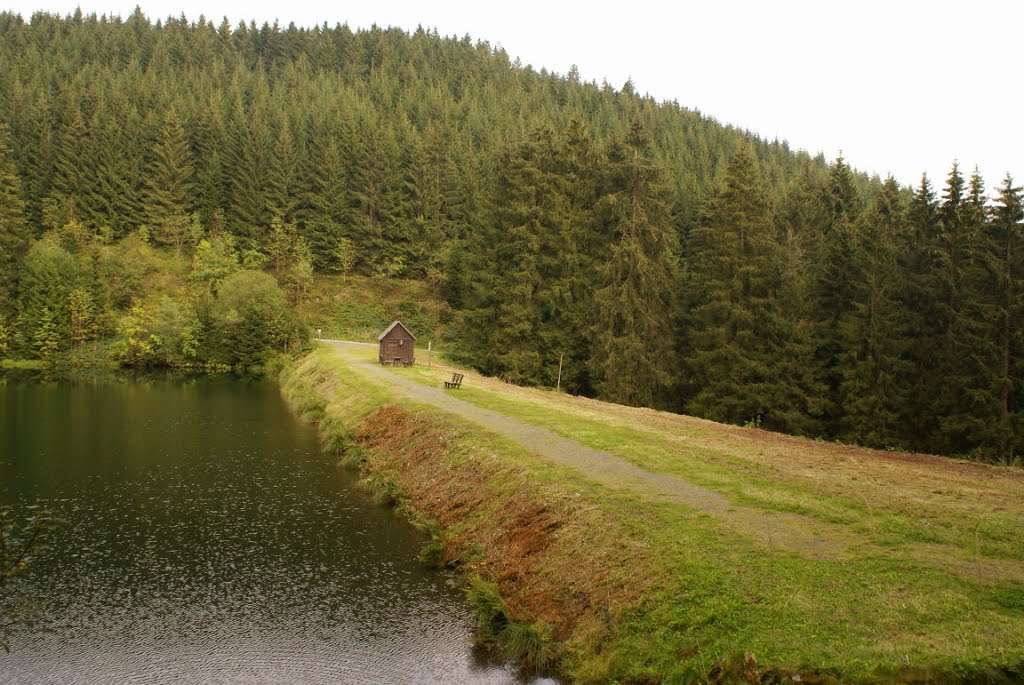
729	350
14	231
738	335
633	348
167	194
455	285
923	312
955	256
836	277
504	327
285	191
875	374
1003	437
249	214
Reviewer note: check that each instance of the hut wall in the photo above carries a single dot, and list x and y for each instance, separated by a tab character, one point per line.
398	347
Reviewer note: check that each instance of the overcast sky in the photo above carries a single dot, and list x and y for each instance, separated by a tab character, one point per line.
899	87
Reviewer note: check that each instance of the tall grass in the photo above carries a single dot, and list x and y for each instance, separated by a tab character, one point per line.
525	643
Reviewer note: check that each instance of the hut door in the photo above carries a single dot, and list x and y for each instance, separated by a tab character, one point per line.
392	350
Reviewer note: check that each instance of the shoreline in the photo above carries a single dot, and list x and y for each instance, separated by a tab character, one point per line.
596	585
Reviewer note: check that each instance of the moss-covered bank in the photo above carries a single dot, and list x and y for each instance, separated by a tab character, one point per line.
603	586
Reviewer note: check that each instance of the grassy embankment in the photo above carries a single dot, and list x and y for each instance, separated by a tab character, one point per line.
830	561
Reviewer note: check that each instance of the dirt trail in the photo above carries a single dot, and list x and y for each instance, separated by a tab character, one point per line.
773	529
779	531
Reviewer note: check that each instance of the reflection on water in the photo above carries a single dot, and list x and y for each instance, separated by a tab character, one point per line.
206	539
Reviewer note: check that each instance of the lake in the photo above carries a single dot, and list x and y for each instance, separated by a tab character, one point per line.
205	538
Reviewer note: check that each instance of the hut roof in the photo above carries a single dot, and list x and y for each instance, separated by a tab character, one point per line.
392	327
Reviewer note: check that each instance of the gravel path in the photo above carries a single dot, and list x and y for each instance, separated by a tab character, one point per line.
772	529
603	467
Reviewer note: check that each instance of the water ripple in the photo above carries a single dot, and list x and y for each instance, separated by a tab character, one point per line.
205	539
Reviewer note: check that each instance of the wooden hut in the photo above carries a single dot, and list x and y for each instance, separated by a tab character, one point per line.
397	346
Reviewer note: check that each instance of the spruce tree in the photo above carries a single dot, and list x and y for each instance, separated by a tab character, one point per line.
74	152
455	280
875	373
506	325
329	213
741	346
583	248
955	258
800	397
167	194
923	310
373	184
14	231
419	205
729	350
633	346
285	189
250	155
1003	435
836	276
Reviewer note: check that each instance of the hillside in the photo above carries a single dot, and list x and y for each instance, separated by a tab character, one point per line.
651	547
656	257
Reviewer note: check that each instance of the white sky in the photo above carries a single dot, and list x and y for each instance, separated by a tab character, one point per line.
899	86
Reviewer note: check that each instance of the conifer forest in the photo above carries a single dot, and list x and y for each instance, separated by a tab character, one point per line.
651	255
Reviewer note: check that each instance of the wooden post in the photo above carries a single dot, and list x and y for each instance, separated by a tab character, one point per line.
558	386
430	354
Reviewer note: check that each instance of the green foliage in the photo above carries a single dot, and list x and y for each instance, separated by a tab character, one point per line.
81	317
168	192
633	357
138	343
49	273
14	230
733	316
432	553
345	256
492	614
566	224
526	644
250	319
46	338
382	487
215	259
5	337
123	270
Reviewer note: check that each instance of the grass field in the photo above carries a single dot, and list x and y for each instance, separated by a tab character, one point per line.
827	561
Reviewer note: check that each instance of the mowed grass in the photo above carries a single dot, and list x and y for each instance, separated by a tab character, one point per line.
923	576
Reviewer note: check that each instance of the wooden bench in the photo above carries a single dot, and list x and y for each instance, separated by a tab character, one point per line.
455	382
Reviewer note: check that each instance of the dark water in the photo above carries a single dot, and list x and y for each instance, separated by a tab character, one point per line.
206	539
